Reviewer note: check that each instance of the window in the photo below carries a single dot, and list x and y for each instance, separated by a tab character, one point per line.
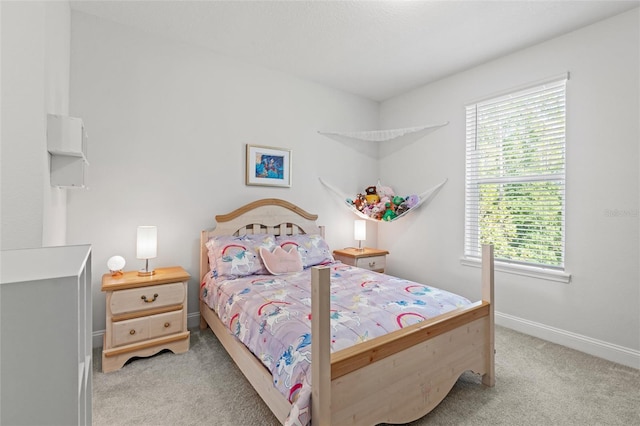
515	176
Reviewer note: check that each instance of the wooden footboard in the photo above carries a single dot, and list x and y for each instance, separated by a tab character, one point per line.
399	377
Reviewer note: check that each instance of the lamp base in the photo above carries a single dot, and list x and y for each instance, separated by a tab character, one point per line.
145	273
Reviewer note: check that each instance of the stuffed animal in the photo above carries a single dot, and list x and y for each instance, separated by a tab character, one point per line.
376	211
389	213
408	203
360	202
402	208
384	191
412	201
372	196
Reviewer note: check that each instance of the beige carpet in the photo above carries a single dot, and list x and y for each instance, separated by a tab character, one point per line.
537	383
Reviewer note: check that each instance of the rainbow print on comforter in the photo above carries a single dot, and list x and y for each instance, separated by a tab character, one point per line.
271	316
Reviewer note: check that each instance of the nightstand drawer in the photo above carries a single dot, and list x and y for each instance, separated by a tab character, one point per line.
163	324
130	331
373	263
137	329
139	299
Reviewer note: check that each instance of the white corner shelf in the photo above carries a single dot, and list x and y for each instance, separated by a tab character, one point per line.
67	144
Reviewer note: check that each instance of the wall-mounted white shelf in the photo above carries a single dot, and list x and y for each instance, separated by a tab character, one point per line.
67	144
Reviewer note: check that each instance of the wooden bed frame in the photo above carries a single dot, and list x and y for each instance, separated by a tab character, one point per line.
396	378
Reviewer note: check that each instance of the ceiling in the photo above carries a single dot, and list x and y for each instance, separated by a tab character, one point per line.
375	49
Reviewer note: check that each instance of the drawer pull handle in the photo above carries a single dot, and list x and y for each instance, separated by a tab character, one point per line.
167	325
372	264
155	296
132	332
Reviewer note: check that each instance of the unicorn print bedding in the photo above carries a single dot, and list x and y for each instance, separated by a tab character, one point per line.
270	314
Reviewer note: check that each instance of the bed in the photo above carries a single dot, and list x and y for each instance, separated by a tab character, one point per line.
395	378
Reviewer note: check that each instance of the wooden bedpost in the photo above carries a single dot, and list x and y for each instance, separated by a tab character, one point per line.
489	378
204	268
320	347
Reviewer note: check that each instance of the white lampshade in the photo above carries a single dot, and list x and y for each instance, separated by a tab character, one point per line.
147	242
360	231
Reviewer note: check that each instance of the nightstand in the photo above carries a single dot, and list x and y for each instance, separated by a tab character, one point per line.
366	258
144	315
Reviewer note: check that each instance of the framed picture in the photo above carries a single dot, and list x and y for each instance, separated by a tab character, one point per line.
268	166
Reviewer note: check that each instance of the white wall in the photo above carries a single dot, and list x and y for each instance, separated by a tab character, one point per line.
57	40
599	310
35	81
23	124
167	126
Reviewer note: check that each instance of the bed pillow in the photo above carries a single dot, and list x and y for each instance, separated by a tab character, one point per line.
313	249
232	257
281	261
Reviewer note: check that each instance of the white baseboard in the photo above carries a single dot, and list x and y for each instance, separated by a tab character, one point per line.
193	321
98	338
599	348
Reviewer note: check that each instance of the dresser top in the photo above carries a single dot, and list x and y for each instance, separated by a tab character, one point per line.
358	253
34	264
131	279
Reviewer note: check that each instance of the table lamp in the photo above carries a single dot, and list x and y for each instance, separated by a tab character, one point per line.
360	232
147	247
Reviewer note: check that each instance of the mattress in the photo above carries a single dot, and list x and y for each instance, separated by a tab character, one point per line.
271	315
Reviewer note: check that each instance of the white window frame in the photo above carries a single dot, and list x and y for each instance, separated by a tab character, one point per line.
473	180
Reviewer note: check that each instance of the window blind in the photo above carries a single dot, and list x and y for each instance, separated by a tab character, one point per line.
515	175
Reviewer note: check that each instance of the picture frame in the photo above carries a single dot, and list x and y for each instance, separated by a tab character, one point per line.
268	166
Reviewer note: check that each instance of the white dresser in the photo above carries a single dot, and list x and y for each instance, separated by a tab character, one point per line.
45	336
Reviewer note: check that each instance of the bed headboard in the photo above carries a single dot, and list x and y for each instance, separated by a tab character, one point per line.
266	216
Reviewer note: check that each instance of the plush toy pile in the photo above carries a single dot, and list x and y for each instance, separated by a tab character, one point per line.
380	203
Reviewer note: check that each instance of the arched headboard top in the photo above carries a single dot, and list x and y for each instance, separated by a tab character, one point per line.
268	202
267	216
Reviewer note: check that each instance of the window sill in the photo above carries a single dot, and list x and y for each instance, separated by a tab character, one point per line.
527	271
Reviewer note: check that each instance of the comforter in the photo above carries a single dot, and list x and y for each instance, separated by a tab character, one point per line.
271	315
